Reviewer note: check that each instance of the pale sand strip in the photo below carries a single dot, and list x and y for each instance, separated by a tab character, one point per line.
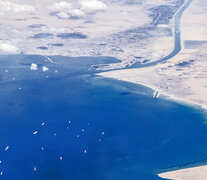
173	79
182	83
185	83
195	173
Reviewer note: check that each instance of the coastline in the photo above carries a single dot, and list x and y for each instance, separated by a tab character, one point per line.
194	173
123	75
112	98
131	79
174	98
180	79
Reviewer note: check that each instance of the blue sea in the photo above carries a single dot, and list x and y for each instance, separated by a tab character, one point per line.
70	124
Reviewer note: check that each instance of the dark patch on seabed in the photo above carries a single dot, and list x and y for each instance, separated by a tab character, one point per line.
68	123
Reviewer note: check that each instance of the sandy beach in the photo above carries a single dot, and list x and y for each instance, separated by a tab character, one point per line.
182	78
196	173
115	31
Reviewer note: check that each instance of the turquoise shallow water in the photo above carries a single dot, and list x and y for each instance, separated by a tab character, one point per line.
95	128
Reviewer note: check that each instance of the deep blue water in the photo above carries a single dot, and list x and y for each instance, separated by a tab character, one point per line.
116	129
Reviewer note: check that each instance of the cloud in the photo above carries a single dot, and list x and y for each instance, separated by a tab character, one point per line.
92	5
61	6
62	15
7	6
77	13
72	14
66	10
8	48
55	29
